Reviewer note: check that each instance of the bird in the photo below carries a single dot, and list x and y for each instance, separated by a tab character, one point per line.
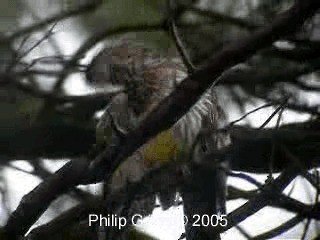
145	77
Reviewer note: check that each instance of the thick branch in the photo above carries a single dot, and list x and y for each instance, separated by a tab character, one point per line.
251	148
36	202
50	141
9	80
67	219
188	92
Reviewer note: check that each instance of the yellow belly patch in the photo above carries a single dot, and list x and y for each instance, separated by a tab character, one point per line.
161	149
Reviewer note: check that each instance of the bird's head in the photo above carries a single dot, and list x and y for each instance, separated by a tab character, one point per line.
145	76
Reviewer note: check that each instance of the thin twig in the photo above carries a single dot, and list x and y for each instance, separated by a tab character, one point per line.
246	177
18	56
273	147
92	5
48	34
270	117
304	108
37	18
175	34
249	113
182	50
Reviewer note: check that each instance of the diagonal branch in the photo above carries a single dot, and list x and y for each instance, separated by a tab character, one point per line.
188	92
40	197
261	200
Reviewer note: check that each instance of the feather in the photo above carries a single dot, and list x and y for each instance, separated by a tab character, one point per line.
147	78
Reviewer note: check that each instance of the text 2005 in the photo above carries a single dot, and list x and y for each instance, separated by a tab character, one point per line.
209	220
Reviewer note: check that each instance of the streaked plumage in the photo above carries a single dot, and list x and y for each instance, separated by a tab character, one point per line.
147	78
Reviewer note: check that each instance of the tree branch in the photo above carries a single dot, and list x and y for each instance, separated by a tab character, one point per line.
188	92
48	141
260	200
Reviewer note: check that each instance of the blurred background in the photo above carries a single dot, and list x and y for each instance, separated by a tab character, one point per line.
48	112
